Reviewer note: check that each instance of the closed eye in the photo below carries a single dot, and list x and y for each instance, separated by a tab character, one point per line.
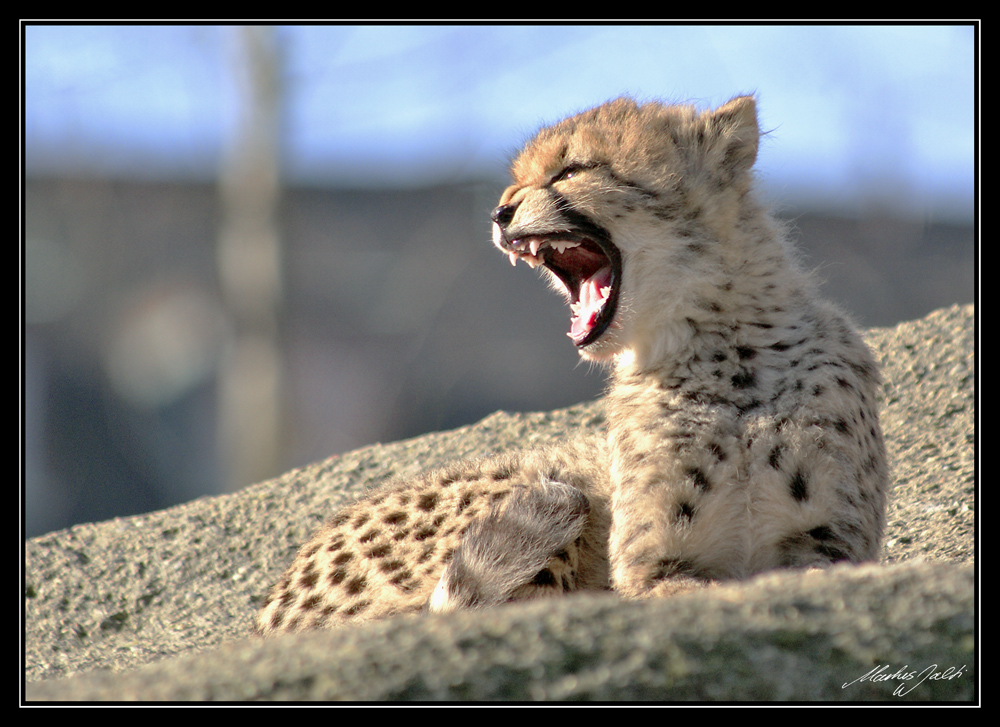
569	171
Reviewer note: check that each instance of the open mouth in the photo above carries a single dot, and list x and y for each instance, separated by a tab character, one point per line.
589	270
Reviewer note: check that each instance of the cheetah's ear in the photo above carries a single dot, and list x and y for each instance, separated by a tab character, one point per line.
732	134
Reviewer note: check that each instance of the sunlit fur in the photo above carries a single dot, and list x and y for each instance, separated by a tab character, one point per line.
742	415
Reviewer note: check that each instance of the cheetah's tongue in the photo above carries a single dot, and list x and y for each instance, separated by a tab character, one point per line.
593	292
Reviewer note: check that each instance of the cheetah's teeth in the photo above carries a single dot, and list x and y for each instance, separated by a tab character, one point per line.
564	245
528	250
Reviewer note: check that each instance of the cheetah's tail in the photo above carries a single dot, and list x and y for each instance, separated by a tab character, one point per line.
511	547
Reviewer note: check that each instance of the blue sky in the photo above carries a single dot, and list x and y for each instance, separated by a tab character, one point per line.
858	114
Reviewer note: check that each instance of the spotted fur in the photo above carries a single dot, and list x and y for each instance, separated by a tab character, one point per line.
743	429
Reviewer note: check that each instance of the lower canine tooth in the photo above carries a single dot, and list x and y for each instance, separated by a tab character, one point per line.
513	258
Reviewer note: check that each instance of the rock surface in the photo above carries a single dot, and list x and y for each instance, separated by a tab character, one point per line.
157	607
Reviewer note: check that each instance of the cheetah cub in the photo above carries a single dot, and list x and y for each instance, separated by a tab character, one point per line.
743	429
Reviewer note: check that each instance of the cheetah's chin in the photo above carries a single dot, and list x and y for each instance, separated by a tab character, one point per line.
589	273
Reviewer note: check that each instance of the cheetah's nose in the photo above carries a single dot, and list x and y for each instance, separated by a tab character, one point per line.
503	214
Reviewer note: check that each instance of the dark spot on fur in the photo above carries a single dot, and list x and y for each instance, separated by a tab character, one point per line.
361	520
390	565
403	581
355	585
395	518
563	556
746	352
717	451
379	551
774	459
822	532
817	390
369	536
310	603
745	379
719	356
427	501
829	551
685	511
467	497
449	476
865	370
544	577
503	472
842	426
357	608
339	519
277	618
424	533
699	478
426	553
343	558
308	579
798	486
338	575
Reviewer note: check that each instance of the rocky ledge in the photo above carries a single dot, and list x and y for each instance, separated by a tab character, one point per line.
157	607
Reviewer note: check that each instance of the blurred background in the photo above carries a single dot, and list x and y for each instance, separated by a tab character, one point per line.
245	249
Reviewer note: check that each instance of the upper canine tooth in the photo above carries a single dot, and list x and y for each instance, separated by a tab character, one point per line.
513	258
535	244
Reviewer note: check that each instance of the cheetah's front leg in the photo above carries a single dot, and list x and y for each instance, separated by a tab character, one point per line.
678	504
